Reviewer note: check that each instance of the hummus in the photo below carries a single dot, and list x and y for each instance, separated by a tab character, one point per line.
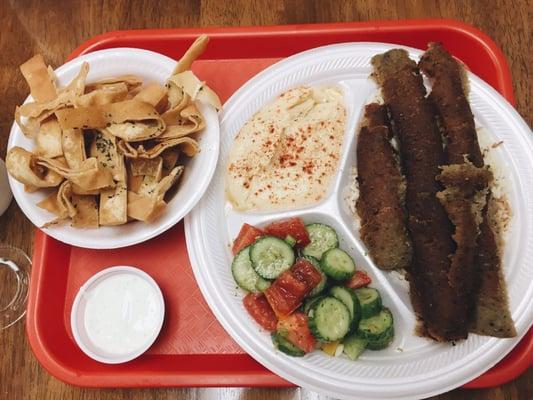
286	155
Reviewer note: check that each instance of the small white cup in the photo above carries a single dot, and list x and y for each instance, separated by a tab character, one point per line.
78	321
5	190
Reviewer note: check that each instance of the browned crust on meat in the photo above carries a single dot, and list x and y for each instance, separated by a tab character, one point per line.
376	115
379	205
466	178
449	97
491	315
444	315
464	198
476	269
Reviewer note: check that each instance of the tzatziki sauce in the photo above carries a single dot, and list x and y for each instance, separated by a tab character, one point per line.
121	313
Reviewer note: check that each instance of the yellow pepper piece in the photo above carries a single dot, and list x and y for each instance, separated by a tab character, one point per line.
330	348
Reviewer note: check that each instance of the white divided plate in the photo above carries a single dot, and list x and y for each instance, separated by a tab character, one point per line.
151	67
412	367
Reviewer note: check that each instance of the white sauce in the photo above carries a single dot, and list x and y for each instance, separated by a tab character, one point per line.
121	313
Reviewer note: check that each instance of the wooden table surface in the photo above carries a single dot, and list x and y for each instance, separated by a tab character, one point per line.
55	28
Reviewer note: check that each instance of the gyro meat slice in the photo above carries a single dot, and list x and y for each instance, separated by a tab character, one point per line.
377	115
464	198
381	193
449	97
492	316
448	94
444	317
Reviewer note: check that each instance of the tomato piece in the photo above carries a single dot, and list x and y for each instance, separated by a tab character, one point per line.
258	307
294	227
289	289
306	272
295	286
281	300
296	330
247	235
358	280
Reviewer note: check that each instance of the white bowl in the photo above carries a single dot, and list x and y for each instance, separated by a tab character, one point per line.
151	67
78	321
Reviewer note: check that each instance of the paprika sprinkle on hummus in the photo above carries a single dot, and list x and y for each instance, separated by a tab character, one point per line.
286	155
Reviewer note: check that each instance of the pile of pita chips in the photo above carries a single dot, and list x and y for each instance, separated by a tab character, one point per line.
109	151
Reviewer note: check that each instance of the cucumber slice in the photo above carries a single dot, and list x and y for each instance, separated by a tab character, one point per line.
310	302
349	299
354	345
245	275
383	342
370	301
285	346
323	238
329	319
337	264
322	285
271	256
378	329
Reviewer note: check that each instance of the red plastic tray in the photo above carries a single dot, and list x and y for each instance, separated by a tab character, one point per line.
193	349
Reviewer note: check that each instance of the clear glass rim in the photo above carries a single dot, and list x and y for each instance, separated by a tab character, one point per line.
18	262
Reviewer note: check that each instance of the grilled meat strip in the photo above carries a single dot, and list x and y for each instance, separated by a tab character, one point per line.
492	316
381	193
464	199
443	314
376	115
480	276
448	96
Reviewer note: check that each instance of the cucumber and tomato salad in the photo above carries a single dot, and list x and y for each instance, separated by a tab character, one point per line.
306	291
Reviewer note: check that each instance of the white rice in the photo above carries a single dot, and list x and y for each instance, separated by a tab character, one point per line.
350	194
